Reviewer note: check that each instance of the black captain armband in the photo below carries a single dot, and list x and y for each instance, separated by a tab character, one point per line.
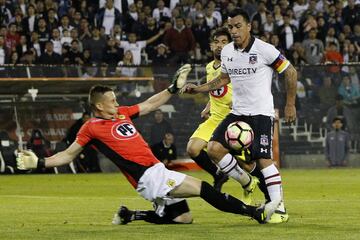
41	163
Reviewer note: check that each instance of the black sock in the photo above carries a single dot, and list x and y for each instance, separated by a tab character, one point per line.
152	217
262	185
205	163
225	202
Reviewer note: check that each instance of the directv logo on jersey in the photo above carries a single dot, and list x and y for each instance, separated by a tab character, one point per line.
241	71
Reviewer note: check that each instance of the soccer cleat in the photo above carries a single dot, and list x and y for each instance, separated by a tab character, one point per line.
219	181
249	190
123	216
260	215
270	208
279	217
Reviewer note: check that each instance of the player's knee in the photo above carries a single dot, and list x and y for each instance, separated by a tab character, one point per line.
216	151
185	218
192	150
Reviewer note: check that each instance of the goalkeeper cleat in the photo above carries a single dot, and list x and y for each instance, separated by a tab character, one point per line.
279	217
260	215
249	190
123	216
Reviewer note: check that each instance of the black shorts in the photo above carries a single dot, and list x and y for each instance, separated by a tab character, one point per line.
263	133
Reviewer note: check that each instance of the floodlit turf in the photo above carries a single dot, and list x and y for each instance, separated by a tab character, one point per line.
323	204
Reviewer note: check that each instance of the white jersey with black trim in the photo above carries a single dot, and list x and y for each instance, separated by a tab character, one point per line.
251	72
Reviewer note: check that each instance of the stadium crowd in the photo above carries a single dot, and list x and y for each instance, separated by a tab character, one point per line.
171	31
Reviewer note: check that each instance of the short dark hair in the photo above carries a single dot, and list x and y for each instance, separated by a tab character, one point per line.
337	119
220	32
95	94
240	12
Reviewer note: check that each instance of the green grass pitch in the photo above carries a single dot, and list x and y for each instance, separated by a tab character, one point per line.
323	204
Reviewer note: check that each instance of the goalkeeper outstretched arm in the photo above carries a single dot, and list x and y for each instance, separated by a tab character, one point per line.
28	160
155	101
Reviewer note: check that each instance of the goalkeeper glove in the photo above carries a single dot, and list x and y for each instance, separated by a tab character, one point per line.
179	79
28	160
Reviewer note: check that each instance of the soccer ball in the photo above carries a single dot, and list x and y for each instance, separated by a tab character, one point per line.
239	135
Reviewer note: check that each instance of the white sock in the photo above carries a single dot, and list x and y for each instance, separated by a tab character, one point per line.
230	167
273	182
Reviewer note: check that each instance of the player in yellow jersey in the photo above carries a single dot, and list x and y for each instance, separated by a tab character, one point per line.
215	111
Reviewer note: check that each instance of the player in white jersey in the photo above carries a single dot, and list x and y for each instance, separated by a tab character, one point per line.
248	63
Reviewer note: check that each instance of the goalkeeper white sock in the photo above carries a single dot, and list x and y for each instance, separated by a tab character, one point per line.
273	182
230	167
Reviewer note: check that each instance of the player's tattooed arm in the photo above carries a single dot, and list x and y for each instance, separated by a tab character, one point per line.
291	85
214	84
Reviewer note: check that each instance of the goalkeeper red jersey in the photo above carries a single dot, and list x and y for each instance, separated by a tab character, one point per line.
119	140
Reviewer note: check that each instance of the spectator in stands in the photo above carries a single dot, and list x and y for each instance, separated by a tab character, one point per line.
44	34
314	48
86	57
278	16
181	42
197	9
269	25
162	55
288	33
337	145
126	66
212	19
108	16
96	44
49	56
12	38
333	56
3	53
327	93
30	21
51	19
165	150
260	15
74	34
159	128
350	13
310	23
139	27
349	92
34	43
88	160
130	18
14	58
103	71
66	38
84	30
136	46
151	29
256	30
5	13
74	55
56	40
340	111
112	54
330	38
201	32
65	25
300	6
118	34
23	46
162	13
